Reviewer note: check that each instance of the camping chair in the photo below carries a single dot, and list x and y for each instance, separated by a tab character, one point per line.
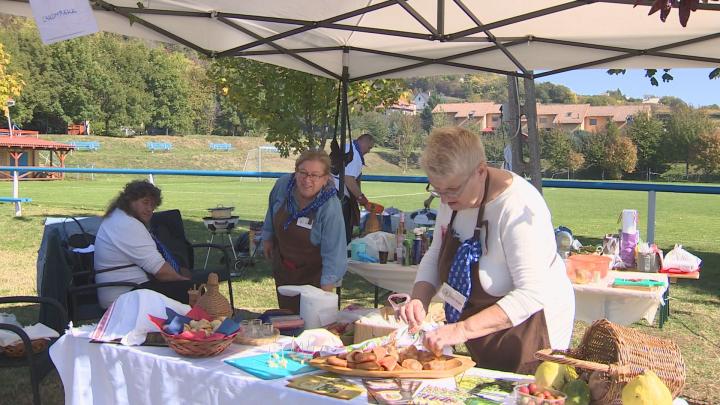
38	363
168	227
68	278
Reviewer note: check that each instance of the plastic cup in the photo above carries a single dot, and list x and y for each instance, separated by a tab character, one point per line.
267	330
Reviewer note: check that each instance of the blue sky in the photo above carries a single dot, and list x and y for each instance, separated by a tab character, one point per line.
691	85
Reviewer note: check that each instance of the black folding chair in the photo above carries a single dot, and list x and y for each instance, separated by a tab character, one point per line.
68	278
38	363
168	227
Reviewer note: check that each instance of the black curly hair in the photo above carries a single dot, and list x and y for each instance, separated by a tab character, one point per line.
134	191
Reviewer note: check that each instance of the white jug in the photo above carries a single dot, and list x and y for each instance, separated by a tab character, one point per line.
317	307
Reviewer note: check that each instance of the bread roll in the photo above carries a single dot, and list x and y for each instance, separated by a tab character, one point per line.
336	361
412	364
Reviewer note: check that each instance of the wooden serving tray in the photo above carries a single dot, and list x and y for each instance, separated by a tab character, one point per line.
456	365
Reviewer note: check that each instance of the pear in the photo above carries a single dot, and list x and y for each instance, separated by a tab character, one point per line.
554	375
646	389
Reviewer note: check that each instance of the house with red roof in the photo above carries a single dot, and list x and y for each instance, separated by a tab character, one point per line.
567	117
24	151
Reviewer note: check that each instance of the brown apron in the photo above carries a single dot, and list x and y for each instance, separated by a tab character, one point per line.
354	207
510	349
296	261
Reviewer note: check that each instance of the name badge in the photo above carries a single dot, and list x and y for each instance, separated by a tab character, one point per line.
452	297
304	222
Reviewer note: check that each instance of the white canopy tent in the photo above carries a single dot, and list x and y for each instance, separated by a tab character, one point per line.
410	38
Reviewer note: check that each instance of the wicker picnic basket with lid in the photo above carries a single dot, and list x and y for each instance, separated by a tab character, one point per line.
622	354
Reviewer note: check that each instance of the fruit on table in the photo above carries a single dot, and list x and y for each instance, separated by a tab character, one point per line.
554	375
646	389
578	392
532	394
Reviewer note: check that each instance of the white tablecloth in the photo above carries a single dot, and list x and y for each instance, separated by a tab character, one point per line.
108	374
592	302
390	276
619	305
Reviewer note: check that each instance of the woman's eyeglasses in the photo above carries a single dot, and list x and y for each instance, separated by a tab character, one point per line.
314	177
449	193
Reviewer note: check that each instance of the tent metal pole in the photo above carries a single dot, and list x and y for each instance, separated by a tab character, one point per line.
278	47
533	138
651	217
304	28
491	37
518	18
343	118
440	17
514	123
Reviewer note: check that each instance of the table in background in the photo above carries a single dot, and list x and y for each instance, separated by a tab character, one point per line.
390	276
592	302
619	305
665	312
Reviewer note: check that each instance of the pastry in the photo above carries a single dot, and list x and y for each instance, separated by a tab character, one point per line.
336	361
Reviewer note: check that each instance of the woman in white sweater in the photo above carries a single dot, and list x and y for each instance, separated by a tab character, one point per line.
493	260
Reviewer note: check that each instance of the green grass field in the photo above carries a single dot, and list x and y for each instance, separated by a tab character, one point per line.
681	218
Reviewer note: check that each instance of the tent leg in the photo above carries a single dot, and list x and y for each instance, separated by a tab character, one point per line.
343	114
533	138
515	126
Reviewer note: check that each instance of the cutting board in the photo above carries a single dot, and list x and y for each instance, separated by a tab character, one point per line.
260	367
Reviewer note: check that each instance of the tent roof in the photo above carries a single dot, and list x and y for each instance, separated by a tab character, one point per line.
405	38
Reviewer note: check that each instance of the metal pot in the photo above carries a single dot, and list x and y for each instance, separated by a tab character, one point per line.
221	212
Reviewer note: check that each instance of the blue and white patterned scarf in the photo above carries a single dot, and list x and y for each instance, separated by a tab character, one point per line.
166	254
460	277
327	192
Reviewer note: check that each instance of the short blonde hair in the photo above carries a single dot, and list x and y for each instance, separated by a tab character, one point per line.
452	151
317	155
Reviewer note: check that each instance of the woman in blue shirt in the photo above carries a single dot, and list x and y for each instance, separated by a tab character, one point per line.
304	230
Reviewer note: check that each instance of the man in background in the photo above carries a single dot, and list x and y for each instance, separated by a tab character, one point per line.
353	192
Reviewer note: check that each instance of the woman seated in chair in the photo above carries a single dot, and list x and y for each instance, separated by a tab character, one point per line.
304	230
125	250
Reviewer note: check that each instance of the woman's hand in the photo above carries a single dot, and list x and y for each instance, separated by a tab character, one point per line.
443	336
328	287
413	313
267	249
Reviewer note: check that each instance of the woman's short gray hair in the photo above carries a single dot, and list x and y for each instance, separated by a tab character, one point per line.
452	151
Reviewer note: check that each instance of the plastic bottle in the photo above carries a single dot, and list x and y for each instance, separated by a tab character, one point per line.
400	231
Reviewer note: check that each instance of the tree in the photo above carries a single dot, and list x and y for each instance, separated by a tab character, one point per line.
556	148
548	93
408	138
576	160
621	156
609	152
673	102
683	129
646	133
10	83
297	108
375	123
706	152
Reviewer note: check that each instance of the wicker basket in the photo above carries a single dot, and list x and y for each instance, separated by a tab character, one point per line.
198	348
622	354
18	349
214	303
